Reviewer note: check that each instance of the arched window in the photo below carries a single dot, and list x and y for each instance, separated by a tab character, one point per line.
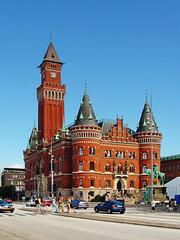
52	94
109	153
119	168
133	155
119	155
130	155
59	95
91	151
60	164
106	153
107	183
123	155
108	168
116	154
131	169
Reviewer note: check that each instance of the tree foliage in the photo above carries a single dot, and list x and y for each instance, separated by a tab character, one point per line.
7	192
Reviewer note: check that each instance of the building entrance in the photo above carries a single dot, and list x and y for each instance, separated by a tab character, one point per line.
119	186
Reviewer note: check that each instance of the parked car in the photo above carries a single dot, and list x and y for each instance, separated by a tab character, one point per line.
46	202
79	204
8	200
5	206
31	203
110	206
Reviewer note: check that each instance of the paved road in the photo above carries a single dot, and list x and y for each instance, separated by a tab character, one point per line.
27	225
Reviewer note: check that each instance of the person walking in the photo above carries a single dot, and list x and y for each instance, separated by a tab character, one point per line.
54	205
68	204
153	205
61	205
72	205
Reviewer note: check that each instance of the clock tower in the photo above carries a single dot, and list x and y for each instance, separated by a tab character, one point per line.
50	96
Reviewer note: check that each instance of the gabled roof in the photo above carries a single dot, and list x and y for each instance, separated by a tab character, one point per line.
86	114
146	122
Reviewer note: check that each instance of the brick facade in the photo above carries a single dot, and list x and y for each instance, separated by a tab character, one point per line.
90	157
170	165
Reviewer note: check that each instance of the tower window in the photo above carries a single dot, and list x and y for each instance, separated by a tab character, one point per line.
92	183
81	151
80	183
91	165
144	155
80	166
131	184
91	151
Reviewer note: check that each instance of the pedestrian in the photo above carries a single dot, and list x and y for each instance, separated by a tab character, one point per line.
72	205
153	205
37	205
54	205
61	205
68	204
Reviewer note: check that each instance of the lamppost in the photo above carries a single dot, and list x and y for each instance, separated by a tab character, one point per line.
34	179
52	156
151	155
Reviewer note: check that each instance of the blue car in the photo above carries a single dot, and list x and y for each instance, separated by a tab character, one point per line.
110	206
5	206
79	204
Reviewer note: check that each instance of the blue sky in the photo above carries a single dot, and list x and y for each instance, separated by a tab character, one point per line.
120	47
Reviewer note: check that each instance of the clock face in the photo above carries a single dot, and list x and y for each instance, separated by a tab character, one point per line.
53	74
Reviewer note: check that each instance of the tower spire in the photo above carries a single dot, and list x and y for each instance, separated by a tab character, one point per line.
50	37
146	97
85	87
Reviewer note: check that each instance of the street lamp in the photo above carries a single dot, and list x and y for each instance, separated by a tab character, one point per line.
151	155
52	156
34	179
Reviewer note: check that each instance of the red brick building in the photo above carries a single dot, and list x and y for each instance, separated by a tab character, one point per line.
90	157
170	165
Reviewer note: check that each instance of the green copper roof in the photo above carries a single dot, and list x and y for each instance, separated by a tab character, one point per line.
90	102
63	127
82	102
75	118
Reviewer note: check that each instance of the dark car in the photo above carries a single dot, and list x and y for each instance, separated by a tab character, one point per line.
79	204
110	206
5	206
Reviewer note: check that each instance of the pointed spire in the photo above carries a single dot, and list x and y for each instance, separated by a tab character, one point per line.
50	37
86	114
63	127
85	93
33	140
146	97
145	123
